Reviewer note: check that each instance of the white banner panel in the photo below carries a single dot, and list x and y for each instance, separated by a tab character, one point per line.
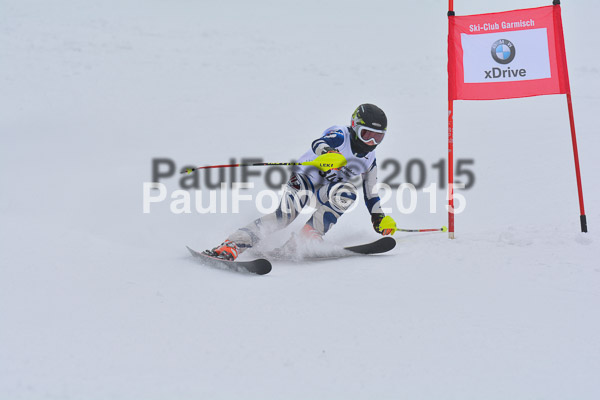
506	56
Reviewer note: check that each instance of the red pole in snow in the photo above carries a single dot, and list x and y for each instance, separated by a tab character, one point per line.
582	218
563	60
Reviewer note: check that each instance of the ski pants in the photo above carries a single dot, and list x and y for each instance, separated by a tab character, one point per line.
330	200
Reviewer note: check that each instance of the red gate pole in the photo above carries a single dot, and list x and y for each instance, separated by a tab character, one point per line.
450	169
582	218
450	137
567	88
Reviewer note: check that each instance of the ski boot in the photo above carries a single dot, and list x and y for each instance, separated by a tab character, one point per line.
309	233
228	250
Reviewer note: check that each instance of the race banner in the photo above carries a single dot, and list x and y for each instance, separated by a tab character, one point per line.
504	55
507	55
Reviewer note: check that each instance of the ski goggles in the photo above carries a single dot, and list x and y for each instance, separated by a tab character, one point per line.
369	135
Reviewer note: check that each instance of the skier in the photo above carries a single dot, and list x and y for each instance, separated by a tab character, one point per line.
331	190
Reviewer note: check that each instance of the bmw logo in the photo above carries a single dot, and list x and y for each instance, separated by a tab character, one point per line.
503	51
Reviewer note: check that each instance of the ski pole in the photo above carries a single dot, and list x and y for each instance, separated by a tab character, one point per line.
190	170
324	162
442	229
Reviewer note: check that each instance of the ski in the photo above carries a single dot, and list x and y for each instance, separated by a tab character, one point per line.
379	246
287	251
259	266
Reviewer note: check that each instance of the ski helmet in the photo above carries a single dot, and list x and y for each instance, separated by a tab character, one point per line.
368	128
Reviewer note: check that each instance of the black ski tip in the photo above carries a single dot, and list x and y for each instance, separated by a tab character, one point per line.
390	241
381	245
261	267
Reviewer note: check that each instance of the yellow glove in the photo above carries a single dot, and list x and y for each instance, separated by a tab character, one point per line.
383	224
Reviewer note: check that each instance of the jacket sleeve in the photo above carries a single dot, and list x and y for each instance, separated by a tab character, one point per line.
330	139
372	199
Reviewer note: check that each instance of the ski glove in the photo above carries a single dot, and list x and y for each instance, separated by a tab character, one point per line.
330	150
383	224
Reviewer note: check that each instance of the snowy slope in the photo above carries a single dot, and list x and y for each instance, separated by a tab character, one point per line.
99	300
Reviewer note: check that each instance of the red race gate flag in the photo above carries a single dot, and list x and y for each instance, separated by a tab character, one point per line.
505	55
